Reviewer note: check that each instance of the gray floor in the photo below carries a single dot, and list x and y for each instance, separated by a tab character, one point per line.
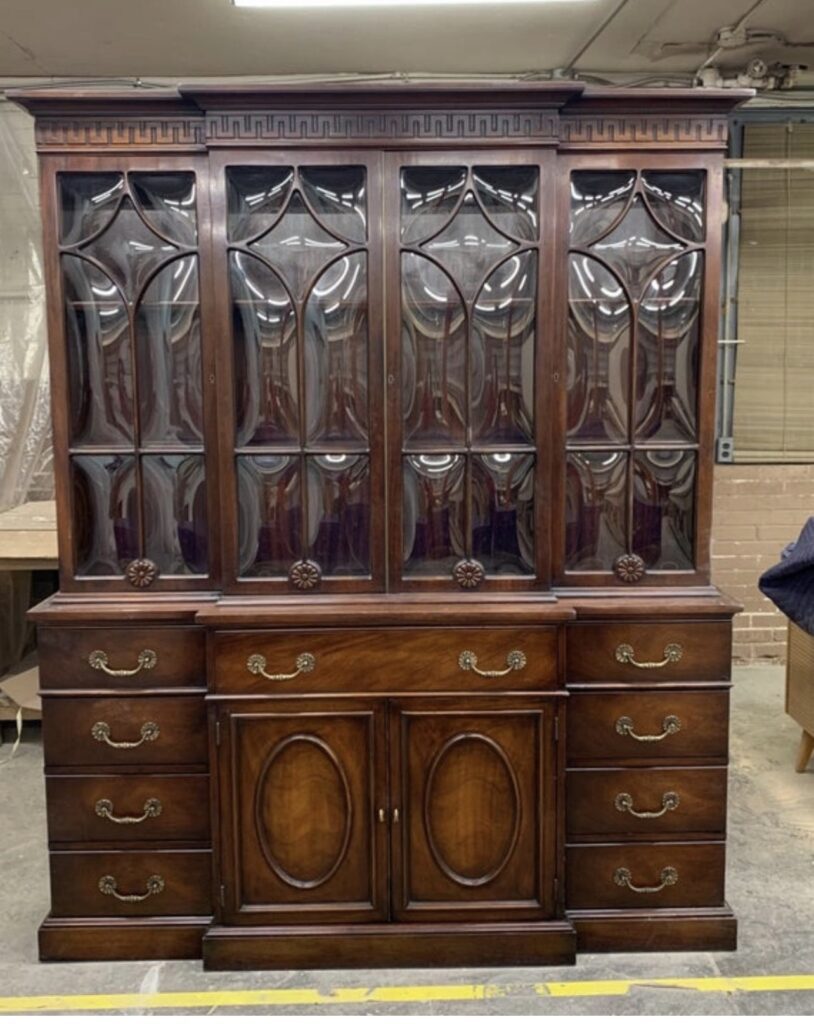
771	887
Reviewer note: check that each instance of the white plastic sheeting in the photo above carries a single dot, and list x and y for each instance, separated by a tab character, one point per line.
25	421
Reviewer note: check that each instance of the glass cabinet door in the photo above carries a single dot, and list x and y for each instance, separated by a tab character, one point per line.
304	302
464	471
130	285
636	269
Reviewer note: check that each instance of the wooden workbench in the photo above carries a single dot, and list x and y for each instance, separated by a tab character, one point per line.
28	537
28	541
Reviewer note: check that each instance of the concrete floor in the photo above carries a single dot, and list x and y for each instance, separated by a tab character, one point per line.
770	886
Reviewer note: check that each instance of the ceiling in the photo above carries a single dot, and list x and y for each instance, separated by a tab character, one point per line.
173	40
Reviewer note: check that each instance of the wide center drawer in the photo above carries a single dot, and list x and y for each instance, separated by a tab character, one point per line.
143	657
645	801
647	725
388	659
124	730
127	808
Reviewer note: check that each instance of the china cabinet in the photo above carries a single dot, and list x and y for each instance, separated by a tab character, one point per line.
383	422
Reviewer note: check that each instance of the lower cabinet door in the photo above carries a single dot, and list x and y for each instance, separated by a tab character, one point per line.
473	808
302	784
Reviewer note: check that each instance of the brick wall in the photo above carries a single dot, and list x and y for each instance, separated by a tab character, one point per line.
757	510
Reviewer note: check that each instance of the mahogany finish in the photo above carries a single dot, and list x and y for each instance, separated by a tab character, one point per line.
82	809
655	931
76	882
698	872
592	651
383	422
69	737
700	720
472	794
65	657
304	842
652	802
122	938
360	661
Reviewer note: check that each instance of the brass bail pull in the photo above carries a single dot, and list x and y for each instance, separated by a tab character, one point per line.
468	662
101	733
670	726
110	887
625	655
146	660
624	803
256	664
623	878
152	809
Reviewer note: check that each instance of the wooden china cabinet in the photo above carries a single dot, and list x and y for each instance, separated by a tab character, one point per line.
383	418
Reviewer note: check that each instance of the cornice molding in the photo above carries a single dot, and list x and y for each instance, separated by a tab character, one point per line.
195	119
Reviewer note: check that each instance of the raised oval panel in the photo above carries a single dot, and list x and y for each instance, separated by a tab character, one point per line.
303	811
472	809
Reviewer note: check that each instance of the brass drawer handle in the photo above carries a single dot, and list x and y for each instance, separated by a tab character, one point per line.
147	659
623	877
625	655
152	809
101	733
515	660
670	726
624	803
257	666
110	887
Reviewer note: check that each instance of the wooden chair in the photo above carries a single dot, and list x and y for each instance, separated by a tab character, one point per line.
800	690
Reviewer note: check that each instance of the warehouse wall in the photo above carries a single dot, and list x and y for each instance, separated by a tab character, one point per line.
757	510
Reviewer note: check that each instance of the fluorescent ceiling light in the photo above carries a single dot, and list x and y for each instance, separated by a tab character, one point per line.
294	5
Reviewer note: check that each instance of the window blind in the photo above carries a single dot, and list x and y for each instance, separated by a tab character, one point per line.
774	388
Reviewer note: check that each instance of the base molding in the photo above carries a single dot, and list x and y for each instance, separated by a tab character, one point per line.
116	938
389	945
641	931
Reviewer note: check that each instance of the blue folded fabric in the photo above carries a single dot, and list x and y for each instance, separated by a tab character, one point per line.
790	583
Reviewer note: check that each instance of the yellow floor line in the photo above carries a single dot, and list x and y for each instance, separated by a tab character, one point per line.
393	994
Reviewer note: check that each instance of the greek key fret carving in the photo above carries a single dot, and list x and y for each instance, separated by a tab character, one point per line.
388	125
227	128
642	130
119	133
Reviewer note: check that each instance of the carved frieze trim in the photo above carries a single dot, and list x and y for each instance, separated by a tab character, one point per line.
228	128
119	133
600	131
190	132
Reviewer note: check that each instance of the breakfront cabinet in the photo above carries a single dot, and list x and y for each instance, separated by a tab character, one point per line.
383	424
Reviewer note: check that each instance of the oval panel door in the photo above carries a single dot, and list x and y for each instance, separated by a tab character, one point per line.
471	786
303	842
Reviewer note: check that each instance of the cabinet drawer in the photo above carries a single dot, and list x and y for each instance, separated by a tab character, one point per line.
158	730
611	801
648	725
645	875
90	809
102	658
352	660
156	882
648	651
